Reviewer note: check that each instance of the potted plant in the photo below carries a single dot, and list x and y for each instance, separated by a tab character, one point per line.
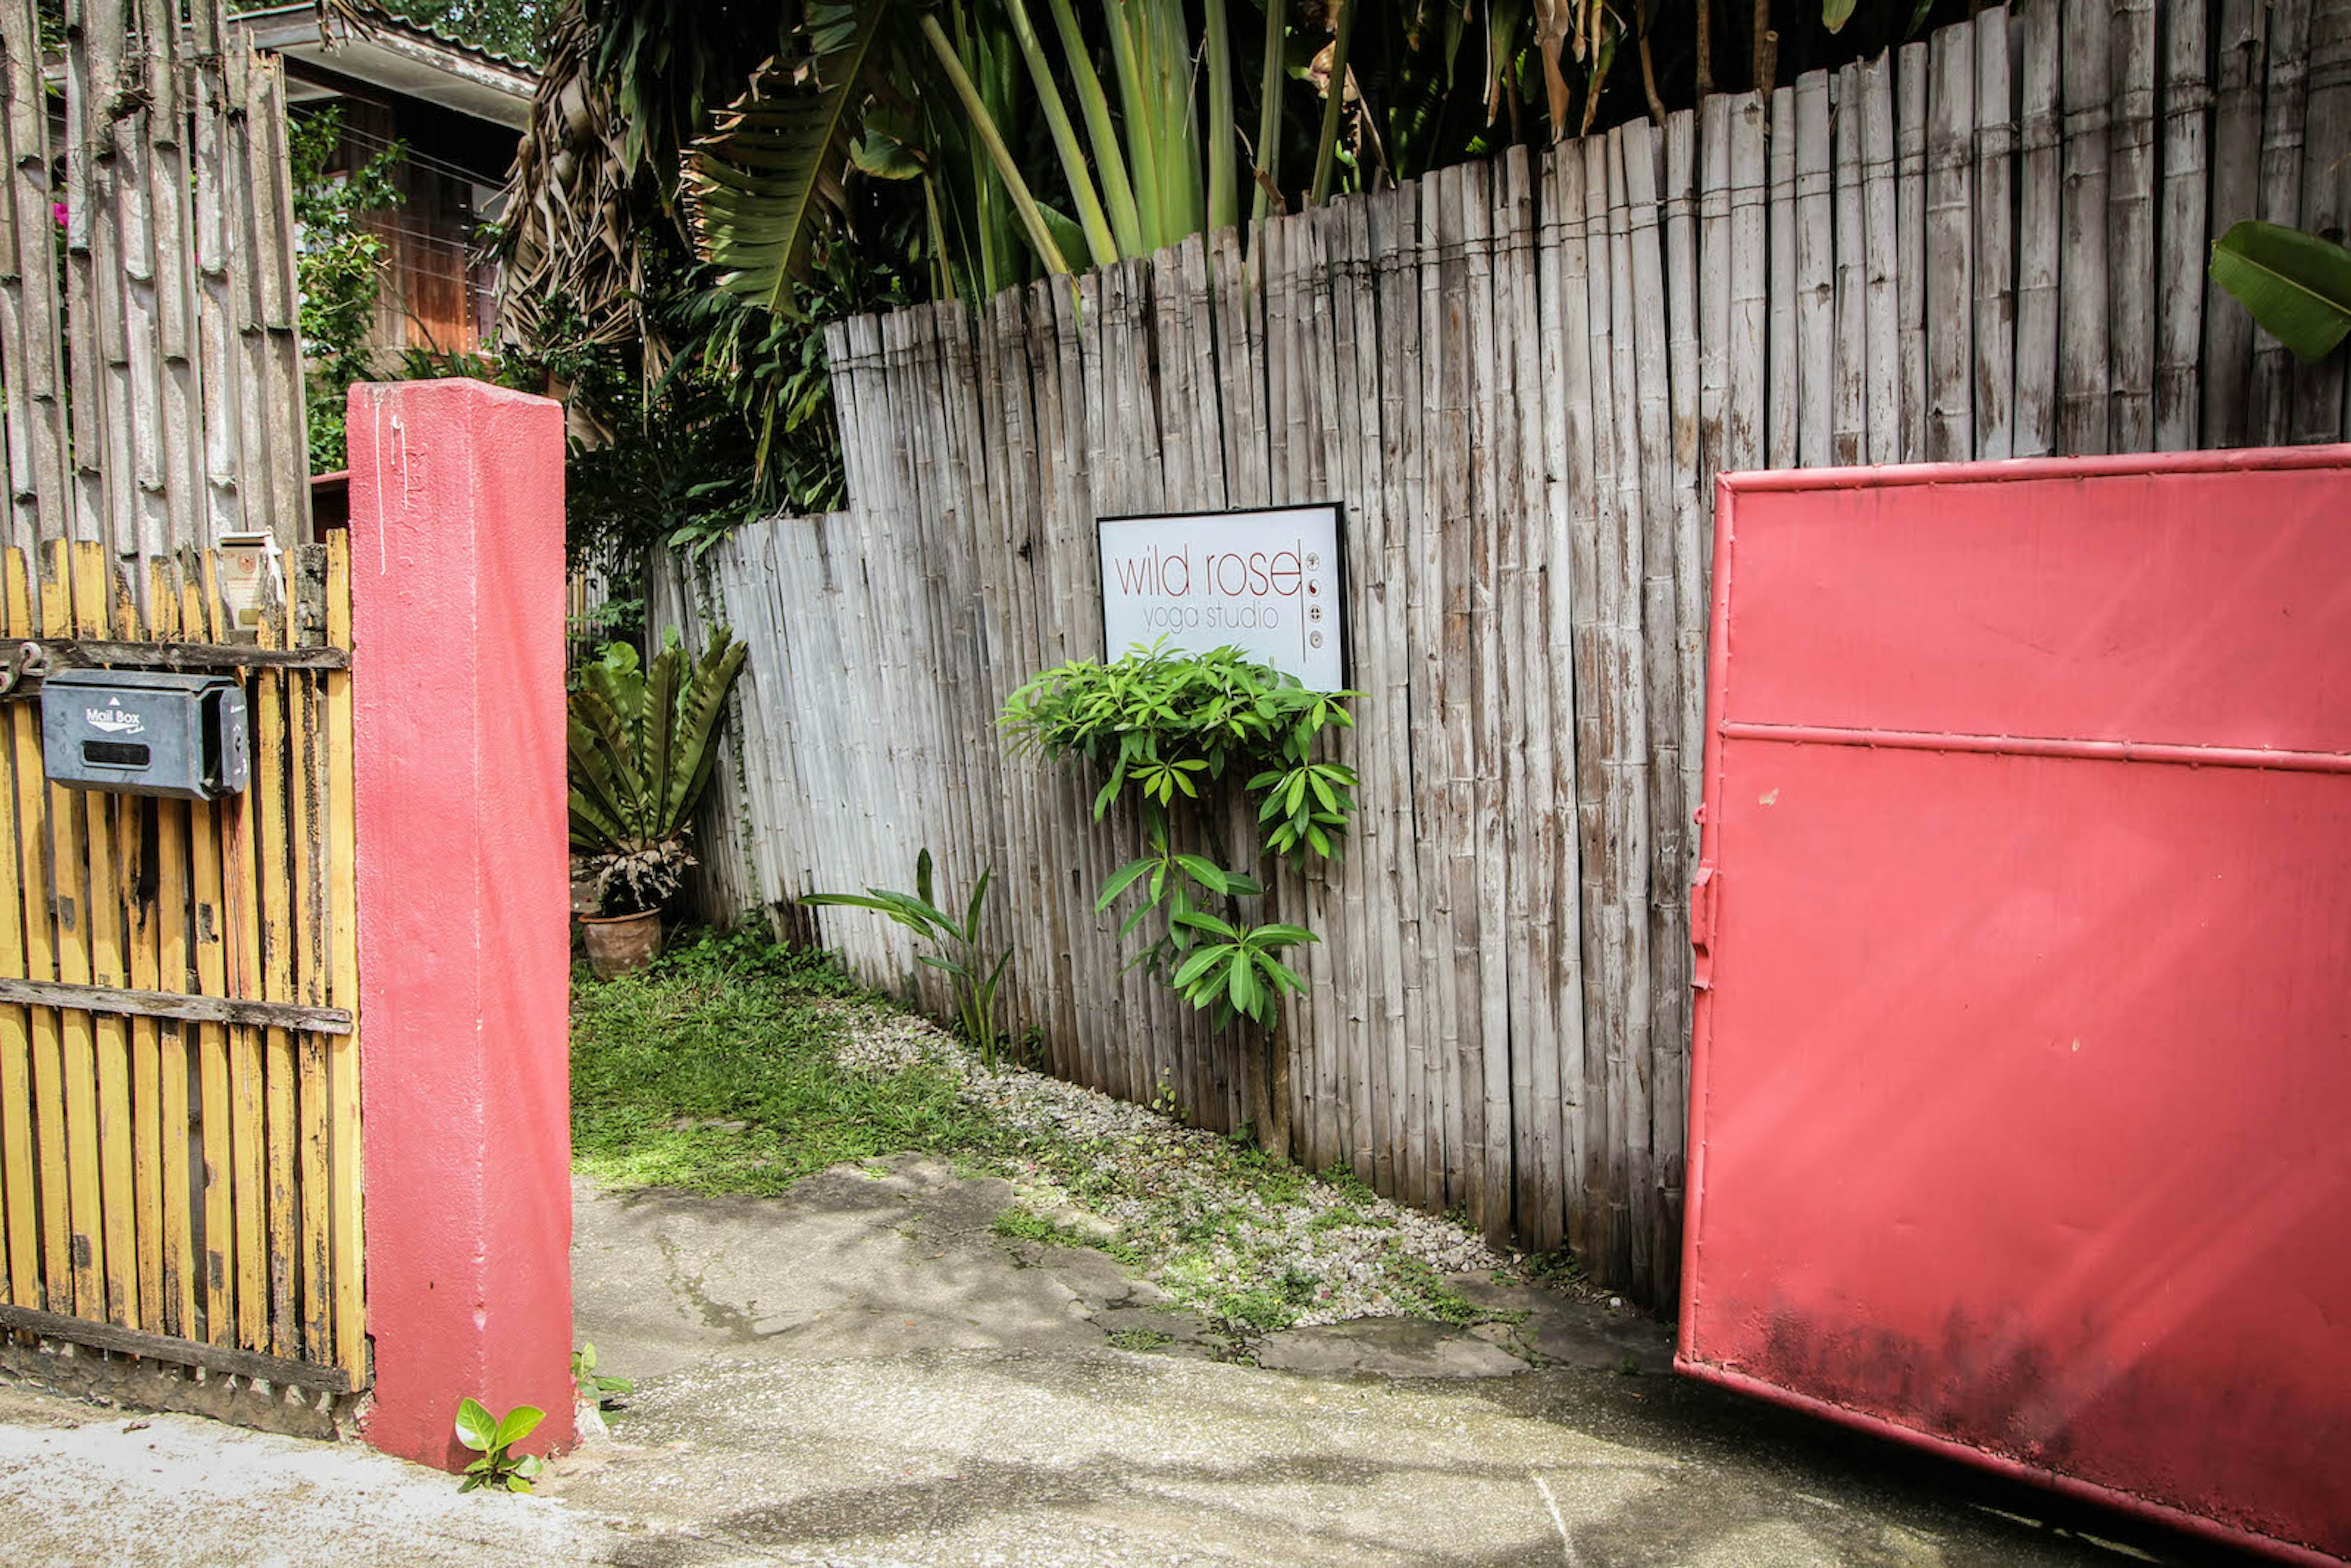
643	741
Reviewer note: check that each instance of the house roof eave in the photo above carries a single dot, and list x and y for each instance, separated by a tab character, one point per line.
400	57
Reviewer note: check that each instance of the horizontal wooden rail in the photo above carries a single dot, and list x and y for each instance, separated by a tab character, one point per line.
175	1005
81	653
180	1352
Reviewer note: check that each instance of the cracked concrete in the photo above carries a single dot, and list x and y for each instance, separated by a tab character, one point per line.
912	1387
864	1373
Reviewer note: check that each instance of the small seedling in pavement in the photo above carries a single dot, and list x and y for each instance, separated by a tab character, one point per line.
499	1468
604	1390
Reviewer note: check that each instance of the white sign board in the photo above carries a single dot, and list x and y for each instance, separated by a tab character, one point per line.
1267	582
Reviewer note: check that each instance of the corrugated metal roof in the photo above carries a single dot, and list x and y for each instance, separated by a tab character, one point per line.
401	56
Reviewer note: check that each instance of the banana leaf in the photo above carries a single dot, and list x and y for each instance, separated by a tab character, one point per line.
2297	286
762	179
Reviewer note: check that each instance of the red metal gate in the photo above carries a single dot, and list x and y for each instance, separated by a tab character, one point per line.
2023	1061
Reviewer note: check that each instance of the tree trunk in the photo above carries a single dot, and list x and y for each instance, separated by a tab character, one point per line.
1273	1133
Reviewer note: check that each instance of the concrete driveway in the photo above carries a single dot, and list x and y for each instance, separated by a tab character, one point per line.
864	1372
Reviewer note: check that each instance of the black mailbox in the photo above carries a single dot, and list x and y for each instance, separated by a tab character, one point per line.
139	732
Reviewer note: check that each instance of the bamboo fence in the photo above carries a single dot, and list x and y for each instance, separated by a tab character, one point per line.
1520	379
179	1090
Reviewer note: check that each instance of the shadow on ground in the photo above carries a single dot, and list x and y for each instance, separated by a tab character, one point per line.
862	1372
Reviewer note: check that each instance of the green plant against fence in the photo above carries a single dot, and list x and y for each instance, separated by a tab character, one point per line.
1185	735
2296	284
341	265
642	740
962	955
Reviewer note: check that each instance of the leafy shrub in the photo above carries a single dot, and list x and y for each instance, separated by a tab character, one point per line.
499	1467
340	266
1171	727
961	956
642	742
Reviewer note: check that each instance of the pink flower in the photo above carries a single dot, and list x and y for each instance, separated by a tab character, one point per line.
58	211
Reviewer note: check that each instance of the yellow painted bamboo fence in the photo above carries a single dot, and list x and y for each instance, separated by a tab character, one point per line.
178	1053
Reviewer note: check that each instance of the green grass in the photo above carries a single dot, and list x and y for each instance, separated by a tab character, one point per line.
717	1071
1416	1285
1016	1224
1019	1224
729	1030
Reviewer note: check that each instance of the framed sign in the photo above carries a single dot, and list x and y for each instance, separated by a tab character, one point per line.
1269	581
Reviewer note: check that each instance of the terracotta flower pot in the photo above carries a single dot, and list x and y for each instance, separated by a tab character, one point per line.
620	944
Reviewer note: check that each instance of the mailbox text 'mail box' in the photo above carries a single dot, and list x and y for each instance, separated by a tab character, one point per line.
139	732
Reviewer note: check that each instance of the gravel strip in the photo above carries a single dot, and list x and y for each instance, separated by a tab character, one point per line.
1214	1226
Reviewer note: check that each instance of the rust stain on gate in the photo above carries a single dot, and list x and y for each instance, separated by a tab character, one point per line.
179	1049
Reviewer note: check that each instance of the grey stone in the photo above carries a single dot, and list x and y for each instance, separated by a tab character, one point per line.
1389	1347
1185	1332
1559	1329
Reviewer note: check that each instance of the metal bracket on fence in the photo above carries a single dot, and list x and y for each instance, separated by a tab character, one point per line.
21	675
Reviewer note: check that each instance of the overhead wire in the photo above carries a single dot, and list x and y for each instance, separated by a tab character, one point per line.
422	160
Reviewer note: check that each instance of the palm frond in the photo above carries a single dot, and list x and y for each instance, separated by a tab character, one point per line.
761	183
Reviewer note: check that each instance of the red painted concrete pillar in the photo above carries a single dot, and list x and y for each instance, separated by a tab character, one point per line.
457	601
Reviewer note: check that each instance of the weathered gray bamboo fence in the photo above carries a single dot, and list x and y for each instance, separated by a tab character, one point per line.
152	385
1520	379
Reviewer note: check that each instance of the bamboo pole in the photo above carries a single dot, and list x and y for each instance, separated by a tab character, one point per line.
1631	1177
1606	754
2186	183
2270	387
1567	380
208	825
1994	241
2040	139
1881	309
2130	226
1786	362
1714	286
1950	251
347	1259
1689	551
272	895
2084	397
1751	308
1849	415
170	905
1815	274
2240	45
31	1095
1910	91
2318	401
